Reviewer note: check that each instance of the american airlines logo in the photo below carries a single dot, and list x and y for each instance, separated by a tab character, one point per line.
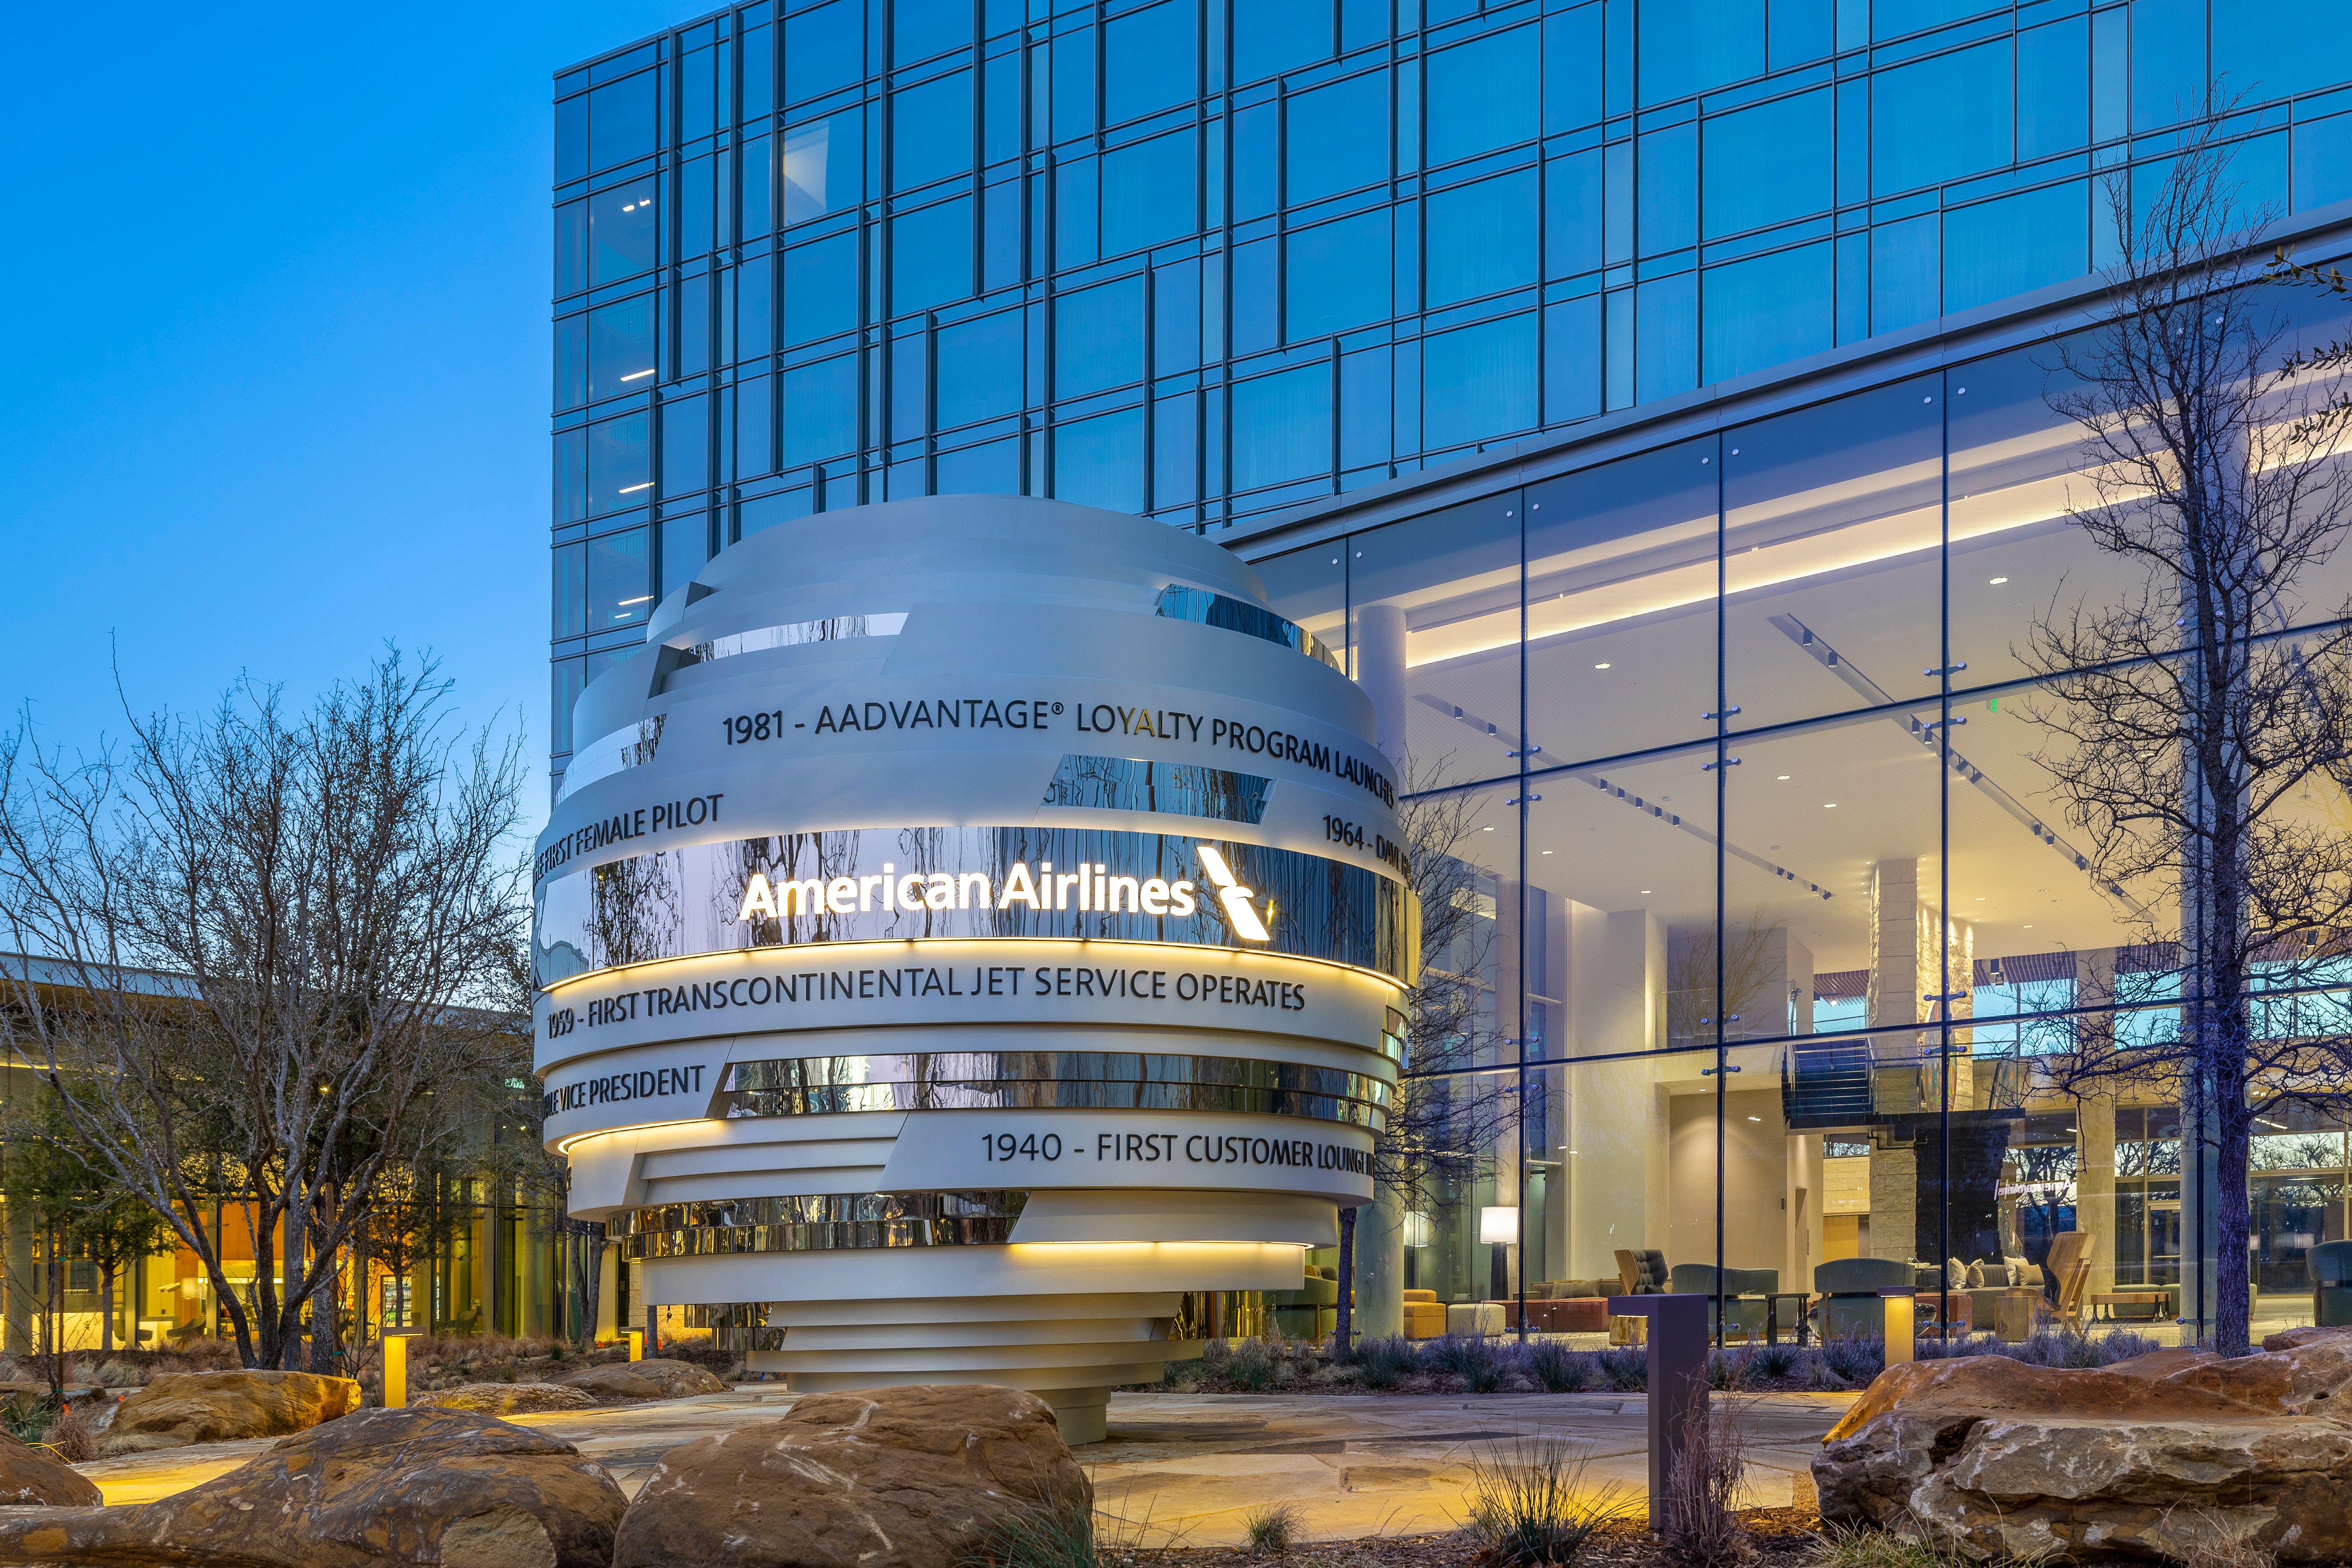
1088	887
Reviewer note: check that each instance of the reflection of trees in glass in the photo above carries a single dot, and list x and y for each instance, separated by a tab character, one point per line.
2181	727
922	852
635	909
2040	1180
1752	979
1441	1133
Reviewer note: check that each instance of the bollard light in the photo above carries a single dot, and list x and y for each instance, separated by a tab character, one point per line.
1676	1399
636	1344
1902	1343
396	1368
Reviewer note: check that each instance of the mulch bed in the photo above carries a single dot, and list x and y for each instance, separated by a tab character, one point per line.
1782	1537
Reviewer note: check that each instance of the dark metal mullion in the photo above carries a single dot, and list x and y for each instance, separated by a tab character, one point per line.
1944	868
1722	791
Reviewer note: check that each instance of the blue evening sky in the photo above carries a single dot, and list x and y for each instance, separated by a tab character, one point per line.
276	287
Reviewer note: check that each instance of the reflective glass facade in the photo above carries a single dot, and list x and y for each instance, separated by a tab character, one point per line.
1779	926
1208	261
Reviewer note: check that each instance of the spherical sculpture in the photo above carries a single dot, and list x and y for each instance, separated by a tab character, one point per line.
975	924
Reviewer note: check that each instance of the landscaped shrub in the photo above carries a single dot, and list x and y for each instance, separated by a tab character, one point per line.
1559	1369
1480	1364
1627	1369
1384	1363
1529	1505
1772	1362
1854	1358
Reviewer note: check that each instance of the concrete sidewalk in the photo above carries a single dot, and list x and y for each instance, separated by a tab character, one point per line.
1196	1465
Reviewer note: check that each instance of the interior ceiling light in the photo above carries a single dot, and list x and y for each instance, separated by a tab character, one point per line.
1602	665
1784	778
1829	806
1997	581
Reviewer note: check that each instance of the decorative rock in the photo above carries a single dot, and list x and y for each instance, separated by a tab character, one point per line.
426	1488
507	1398
34	1476
888	1477
653	1379
183	1407
2156	1456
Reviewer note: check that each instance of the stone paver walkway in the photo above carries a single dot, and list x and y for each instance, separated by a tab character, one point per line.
1196	1465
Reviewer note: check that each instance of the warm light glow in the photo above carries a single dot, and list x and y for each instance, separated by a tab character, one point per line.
1418	1231
1601	666
1499	1225
1235	898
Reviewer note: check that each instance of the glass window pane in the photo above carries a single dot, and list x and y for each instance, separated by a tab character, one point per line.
992	468
1099	338
754	428
1572	215
1077	210
1832	519
922	28
1150	60
1339	137
697	108
979	368
824	49
616	464
754	318
2258	43
1482	239
1074	83
622	232
570	616
1282	427
2054	98
570	139
930	255
570	362
1995	249
694	325
820	410
620	347
1478	382
1274	36
686	442
1434	628
1769	309
930	129
821	289
564	690
1146	193
823	164
696	206
1940	118
1483	95
759	203
1338	275
620	589
759	73
1100	461
1767	164
1666	167
571	248
571	475
1694	46
686	546
1665	336
1621	626
621	121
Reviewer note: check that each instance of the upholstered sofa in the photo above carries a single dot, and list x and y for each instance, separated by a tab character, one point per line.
1425	1315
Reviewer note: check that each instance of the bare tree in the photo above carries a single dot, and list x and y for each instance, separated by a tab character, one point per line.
1444	1124
2181	722
280	941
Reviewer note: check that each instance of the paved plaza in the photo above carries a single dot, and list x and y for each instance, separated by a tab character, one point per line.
1195	1465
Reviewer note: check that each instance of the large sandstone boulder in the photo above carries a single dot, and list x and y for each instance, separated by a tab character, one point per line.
889	1477
2149	1457
507	1398
652	1379
431	1489
35	1476
183	1407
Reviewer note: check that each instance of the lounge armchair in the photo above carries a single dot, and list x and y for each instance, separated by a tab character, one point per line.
1851	1294
1641	1273
2069	1269
1745	1307
1425	1315
2331	1284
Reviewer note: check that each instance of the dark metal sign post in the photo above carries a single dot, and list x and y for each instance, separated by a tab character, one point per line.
1677	1398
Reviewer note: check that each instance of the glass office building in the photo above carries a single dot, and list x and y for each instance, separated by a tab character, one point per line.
1625	361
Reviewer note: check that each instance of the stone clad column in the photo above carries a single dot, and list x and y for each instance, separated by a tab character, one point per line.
2095	1123
1893	998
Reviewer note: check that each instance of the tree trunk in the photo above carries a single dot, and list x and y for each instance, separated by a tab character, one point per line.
1344	1336
591	1277
106	1307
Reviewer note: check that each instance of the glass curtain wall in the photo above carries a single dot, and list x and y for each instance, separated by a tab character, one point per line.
1202	259
1740	752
